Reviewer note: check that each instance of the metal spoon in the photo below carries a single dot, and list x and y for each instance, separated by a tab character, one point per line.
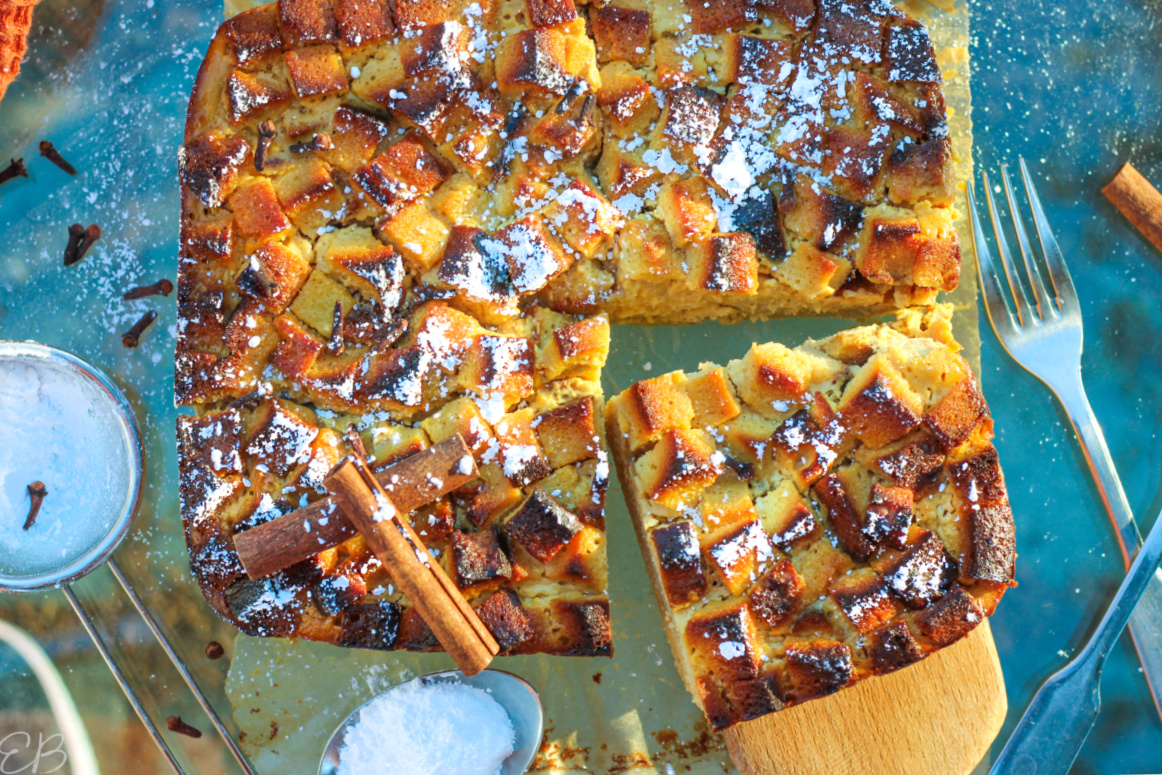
1061	715
519	699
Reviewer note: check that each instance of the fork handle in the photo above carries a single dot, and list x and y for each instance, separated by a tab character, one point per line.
1146	621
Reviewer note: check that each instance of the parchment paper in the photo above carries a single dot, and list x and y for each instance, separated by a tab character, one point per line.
630	713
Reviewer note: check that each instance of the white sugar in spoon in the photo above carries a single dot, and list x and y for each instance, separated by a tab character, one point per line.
519	700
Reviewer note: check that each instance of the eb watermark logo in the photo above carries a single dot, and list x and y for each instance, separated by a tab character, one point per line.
21	755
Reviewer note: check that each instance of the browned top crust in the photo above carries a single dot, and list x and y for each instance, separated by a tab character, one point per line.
818	515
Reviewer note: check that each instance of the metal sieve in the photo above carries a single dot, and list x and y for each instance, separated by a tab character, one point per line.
89	431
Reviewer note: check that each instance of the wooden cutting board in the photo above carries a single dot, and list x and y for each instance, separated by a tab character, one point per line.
938	716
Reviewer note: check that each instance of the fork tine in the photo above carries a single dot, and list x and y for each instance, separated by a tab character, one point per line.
1058	272
994	295
1032	272
1020	301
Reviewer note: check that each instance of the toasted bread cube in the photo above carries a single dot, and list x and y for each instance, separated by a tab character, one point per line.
441	49
316	300
542	526
889	515
446	333
778	595
581	289
653	407
688	211
315	70
950	618
210	240
894	647
253	96
726	263
863	596
414	14
897	247
363	263
577	349
477	273
711	398
678	468
621	173
584	218
909	53
626	100
906	462
878	405
855	161
398	376
533	61
759	61
507	620
257	211
380	77
499	366
674	66
546	13
771	377
689	122
477	560
844	515
274	274
582	561
418	235
786	518
534	257
739	554
389	444
725	505
983	524
621	33
921	172
297	349
521	455
923	573
954	418
875	103
308	195
679	559
363	23
757	216
817	669
491	496
819	217
721	15
209	166
253	35
403	173
748	437
281	436
460	416
722	641
813	273
644	251
569	433
306	21
425	104
355	134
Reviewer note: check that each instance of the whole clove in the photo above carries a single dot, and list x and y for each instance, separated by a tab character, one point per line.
14	170
266	132
214	650
49	151
587	108
356	441
76	234
335	343
320	142
175	724
570	96
36	493
80	240
132	337
787	194
159	288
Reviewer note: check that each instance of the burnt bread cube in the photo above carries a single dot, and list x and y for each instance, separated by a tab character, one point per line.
807	527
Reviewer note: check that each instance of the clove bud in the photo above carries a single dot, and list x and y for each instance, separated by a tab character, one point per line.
132	337
14	170
36	493
214	650
80	240
49	151
266	132
335	343
175	724
159	288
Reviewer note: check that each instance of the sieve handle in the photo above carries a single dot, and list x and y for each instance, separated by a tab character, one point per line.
130	695
204	701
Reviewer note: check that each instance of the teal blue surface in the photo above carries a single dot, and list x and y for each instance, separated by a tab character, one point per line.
1076	88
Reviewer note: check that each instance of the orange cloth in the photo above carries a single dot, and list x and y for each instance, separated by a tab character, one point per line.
15	19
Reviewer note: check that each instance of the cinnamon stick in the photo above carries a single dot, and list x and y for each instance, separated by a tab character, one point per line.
413	570
413	482
1139	201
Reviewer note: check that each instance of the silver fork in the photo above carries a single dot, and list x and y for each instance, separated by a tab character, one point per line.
1045	337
